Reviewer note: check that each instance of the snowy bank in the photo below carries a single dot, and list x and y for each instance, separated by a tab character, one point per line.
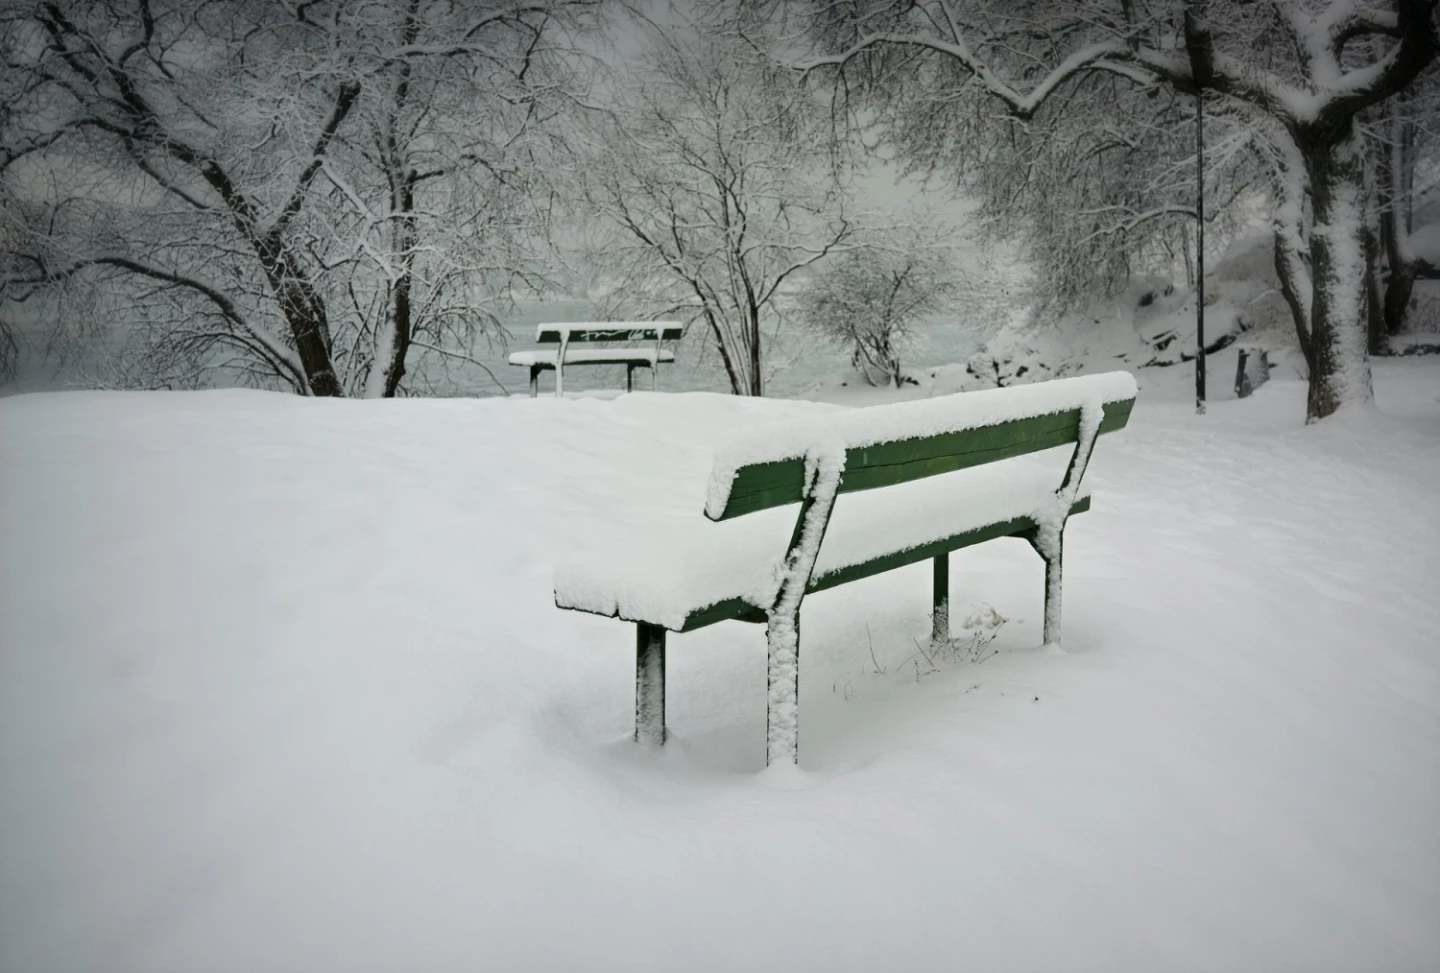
1148	328
282	688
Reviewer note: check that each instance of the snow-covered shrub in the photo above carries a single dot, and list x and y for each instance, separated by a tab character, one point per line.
868	301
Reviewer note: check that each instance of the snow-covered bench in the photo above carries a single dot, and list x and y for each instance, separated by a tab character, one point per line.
632	357
685	576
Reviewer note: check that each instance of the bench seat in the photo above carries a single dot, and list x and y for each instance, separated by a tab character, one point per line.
689	573
631	356
618	356
869	490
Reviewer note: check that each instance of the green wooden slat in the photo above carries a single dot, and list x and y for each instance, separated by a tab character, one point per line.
764	485
618	359
899	559
761	486
548	337
737	608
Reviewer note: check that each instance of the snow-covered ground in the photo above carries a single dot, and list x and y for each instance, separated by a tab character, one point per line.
282	687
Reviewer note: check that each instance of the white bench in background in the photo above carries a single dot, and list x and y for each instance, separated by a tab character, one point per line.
631	357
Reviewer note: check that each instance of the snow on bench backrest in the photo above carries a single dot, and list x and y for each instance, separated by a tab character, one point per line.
554	334
765	466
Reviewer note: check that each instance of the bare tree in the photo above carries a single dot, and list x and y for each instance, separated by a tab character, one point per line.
709	169
1304	71
248	165
1097	186
442	206
113	84
869	299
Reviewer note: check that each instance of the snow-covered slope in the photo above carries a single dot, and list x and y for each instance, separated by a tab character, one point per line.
282	688
1147	328
1151	323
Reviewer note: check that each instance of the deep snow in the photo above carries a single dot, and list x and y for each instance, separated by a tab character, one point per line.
282	688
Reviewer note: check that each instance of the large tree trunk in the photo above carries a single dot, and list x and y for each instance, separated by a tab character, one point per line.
724	351
1375	336
1398	290
401	325
1294	278
392	344
1340	365
304	311
300	301
1292	252
1395	174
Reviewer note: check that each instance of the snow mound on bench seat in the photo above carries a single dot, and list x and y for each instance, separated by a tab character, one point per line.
680	565
586	356
909	420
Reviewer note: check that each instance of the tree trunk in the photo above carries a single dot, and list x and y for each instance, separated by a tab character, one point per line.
1189	261
1398	290
393	345
304	312
402	203
1340	367
300	302
1375	337
1294	287
1395	174
400	335
1291	256
753	327
736	386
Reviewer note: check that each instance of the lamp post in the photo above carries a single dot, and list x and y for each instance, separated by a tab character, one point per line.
1199	251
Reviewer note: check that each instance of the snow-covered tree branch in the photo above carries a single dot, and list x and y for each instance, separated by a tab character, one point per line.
1297	65
348	176
708	170
869	299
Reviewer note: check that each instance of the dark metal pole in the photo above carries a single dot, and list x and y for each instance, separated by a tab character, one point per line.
940	620
1199	252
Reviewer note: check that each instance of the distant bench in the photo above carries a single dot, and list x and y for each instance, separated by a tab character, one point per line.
591	331
683	576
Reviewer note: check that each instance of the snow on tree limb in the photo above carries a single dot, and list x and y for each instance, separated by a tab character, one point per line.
1021	105
1288	63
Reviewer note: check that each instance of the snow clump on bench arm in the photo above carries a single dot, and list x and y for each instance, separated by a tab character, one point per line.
781	441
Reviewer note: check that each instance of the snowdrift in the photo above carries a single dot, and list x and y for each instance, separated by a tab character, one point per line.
281	688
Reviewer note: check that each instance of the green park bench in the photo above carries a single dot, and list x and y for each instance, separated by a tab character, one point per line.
632	356
685	575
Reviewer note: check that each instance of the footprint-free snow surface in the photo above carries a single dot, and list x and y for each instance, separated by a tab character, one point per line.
282	687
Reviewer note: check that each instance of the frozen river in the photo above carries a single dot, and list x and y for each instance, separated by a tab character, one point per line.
795	359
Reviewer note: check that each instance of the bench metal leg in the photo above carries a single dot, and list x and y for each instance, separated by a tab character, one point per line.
940	591
534	381
1050	545
782	689
1052	593
782	629
629	378
1051	550
649	684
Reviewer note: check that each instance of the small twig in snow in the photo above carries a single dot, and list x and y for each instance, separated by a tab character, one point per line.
879	669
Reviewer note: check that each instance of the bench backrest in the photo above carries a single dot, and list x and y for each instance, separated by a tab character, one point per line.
892	444
555	334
